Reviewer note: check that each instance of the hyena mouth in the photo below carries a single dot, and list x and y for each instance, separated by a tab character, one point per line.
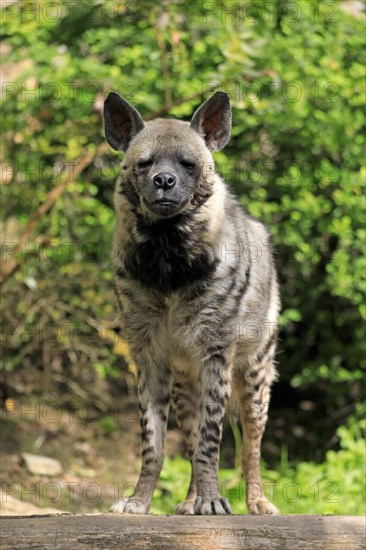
166	207
165	202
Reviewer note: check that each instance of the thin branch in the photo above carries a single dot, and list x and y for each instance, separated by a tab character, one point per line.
165	70
9	267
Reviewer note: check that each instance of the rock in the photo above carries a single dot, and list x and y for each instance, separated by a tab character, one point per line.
42	465
11	506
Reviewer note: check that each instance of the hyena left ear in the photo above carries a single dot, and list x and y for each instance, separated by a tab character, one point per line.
121	122
213	121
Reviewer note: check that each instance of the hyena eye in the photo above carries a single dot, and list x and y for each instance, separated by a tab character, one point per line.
187	164
145	163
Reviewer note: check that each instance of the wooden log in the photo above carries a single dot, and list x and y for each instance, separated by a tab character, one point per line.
106	531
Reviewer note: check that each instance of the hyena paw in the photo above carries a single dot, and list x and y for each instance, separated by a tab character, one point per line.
215	507
186	507
132	505
263	506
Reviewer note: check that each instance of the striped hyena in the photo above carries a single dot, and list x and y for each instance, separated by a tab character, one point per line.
198	298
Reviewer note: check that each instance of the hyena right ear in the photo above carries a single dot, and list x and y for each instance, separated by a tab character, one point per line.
121	122
213	121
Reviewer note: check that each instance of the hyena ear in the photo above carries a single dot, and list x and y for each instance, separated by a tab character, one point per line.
121	122
213	121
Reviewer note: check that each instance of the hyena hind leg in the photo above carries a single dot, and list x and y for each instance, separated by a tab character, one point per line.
254	396
185	402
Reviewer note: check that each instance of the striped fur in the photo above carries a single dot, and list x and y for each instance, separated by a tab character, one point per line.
198	299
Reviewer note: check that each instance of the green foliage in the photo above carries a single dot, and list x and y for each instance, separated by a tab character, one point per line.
337	486
107	424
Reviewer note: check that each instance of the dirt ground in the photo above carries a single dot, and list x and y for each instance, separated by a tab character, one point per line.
90	425
86	425
96	466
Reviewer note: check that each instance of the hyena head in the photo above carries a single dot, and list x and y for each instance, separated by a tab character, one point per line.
168	165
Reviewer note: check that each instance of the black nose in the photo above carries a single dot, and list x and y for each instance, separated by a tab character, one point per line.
164	180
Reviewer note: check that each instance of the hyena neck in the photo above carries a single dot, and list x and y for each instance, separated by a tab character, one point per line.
169	253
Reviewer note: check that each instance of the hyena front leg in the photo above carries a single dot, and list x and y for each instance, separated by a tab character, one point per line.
254	401
215	388
185	400
154	387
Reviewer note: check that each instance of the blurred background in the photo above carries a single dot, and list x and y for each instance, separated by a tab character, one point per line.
295	75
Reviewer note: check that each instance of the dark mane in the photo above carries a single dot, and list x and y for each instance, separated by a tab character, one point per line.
164	260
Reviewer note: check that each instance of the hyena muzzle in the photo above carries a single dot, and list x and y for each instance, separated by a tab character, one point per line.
197	295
